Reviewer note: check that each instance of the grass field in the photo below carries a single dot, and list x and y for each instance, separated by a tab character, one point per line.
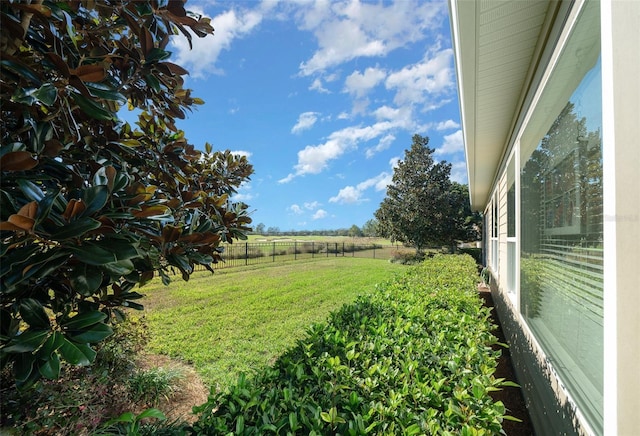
241	319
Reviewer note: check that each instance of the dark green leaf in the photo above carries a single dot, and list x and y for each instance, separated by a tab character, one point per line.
8	325
157	54
93	334
21	70
24	96
26	341
151	413
120	268
85	280
52	343
84	320
76	354
76	229
23	366
132	305
153	82
93	254
91	108
95	198
33	314
105	92
44	207
46	94
50	368
31	190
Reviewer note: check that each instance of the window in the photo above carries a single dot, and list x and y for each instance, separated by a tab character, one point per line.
494	235
561	251
511	227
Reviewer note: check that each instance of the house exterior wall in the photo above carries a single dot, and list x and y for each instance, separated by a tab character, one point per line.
573	329
621	130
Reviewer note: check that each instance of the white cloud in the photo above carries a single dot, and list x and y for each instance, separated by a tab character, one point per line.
312	205
317	86
320	213
306	120
229	25
244	193
452	144
459	172
244	153
423	82
313	159
354	194
446	125
296	209
350	29
384	143
348	194
359	84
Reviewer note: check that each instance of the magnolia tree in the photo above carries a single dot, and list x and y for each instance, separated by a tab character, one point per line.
423	207
91	206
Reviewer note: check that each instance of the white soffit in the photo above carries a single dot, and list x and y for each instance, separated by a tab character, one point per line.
495	43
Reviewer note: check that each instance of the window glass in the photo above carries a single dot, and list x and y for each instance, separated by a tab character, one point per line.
511	227
561	263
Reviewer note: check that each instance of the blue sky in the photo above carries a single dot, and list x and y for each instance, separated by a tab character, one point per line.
323	97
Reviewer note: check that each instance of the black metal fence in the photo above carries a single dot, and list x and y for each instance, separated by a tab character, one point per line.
248	253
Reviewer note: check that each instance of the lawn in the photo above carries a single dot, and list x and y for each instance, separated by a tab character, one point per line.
241	319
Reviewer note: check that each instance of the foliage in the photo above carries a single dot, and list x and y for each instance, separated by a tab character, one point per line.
370	228
474	252
407	257
423	208
129	423
91	206
413	358
82	397
354	231
148	386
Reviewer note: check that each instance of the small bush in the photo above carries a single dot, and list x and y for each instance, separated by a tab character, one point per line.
476	253
83	397
407	257
149	386
414	357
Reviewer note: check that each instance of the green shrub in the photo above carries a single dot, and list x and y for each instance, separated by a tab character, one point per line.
149	386
82	397
407	257
414	357
476	253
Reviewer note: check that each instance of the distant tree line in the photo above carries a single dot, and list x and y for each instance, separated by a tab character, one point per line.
369	229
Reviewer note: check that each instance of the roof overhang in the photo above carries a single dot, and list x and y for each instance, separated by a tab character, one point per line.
497	45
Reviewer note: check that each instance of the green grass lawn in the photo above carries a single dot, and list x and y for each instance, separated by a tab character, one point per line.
240	319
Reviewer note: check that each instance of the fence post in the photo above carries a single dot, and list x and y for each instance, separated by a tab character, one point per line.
246	253
295	250
374	251
336	249
273	253
313	249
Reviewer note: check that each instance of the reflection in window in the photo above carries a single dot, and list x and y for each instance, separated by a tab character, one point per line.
561	263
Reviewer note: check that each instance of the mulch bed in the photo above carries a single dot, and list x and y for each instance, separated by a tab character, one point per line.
511	397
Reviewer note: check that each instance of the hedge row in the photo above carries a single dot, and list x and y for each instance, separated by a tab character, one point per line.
414	357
